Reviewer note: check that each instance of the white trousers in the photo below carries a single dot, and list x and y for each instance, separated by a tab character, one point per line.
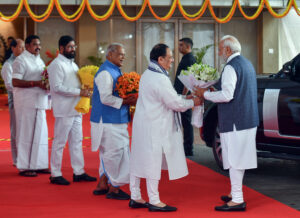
31	139
114	154
236	180
152	189
67	129
12	122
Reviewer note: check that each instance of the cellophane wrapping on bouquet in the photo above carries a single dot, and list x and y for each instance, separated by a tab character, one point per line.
203	76
86	75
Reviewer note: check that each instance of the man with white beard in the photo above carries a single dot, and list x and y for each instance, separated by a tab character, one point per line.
238	118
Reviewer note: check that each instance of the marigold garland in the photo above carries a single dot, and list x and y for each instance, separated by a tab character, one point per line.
15	15
192	17
176	3
103	17
256	14
274	14
42	17
70	18
169	14
132	18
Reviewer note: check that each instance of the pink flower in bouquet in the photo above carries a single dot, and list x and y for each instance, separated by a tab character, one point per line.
45	78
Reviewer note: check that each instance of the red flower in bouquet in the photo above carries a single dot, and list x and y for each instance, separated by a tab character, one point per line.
45	78
52	55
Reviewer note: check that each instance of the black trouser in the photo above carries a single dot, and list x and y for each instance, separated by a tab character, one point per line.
188	132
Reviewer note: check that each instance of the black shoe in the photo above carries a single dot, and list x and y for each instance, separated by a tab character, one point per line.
100	192
83	177
134	204
59	180
118	196
43	171
225	207
28	173
225	198
189	153
166	208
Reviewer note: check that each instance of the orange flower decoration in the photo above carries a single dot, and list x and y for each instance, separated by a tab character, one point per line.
128	84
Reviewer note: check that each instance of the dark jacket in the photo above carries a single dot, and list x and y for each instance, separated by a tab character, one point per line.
186	61
242	110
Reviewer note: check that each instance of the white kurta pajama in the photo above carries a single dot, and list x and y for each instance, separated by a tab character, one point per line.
156	142
30	105
238	147
65	93
112	140
6	74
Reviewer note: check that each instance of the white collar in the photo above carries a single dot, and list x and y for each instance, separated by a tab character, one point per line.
63	58
28	54
233	56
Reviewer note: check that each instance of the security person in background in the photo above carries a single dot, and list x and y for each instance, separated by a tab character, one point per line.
185	48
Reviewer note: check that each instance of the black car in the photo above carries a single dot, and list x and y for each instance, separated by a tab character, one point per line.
278	133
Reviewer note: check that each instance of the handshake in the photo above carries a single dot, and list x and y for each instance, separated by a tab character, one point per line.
197	96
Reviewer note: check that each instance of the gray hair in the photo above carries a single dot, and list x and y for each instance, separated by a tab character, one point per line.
231	42
113	47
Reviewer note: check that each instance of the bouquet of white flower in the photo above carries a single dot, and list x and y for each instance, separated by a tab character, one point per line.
203	76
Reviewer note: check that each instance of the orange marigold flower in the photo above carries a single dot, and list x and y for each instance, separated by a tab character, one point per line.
128	84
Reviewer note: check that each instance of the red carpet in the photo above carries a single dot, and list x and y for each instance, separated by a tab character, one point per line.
195	196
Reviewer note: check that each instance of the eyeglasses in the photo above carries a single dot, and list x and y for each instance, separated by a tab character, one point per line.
71	47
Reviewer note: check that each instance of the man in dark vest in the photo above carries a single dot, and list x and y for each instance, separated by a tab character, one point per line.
238	118
185	48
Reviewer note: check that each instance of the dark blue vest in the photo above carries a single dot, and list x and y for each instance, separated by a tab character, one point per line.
107	113
242	110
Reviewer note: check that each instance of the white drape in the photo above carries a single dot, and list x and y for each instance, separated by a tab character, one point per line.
288	34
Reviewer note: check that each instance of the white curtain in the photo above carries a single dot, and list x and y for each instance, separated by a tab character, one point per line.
289	33
202	34
154	33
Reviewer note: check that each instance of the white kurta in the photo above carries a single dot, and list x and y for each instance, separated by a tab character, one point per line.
30	105
238	147
111	139
155	139
65	91
6	74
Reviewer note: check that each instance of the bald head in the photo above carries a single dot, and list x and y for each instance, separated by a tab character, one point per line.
17	47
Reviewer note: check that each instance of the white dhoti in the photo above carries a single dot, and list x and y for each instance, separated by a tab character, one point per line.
32	139
67	128
12	122
114	151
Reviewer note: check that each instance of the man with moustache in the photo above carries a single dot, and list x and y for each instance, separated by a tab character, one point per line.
238	118
66	92
17	47
109	121
30	101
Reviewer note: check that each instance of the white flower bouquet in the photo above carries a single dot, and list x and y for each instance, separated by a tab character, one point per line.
203	76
